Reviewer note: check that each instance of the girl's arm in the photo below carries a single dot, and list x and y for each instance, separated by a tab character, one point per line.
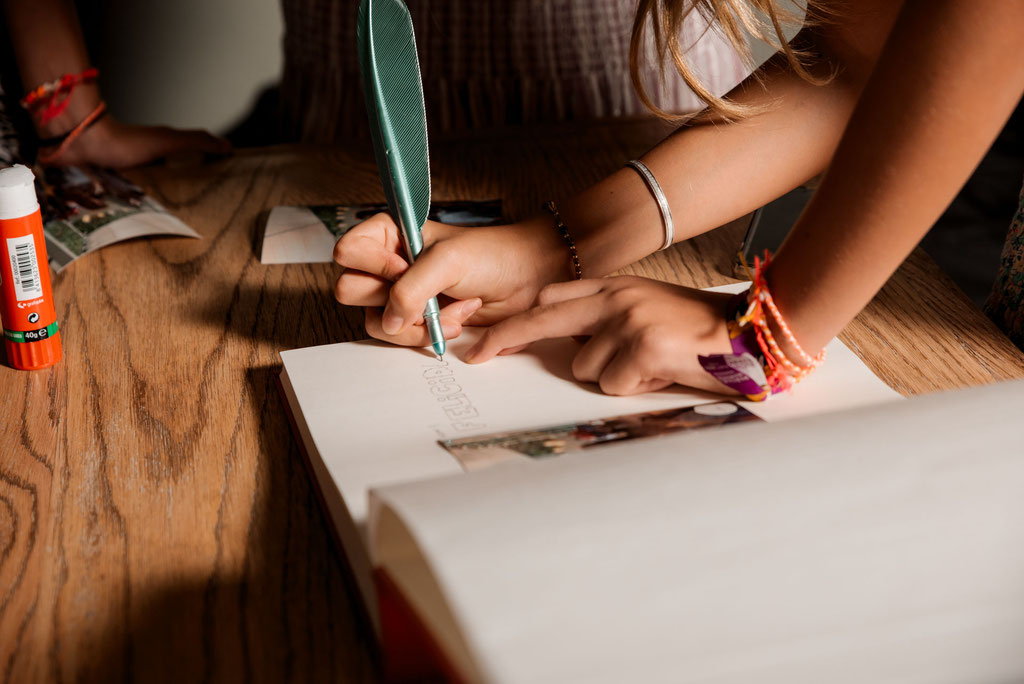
712	173
48	43
948	79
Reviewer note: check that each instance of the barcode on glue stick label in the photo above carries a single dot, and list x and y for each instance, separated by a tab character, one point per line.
24	267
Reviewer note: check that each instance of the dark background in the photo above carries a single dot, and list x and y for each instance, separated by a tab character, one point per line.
152	64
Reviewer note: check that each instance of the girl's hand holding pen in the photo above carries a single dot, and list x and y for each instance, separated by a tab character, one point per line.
490	273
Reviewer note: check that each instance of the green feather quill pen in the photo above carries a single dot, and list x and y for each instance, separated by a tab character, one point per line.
398	125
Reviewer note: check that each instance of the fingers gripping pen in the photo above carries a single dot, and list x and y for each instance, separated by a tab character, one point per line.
29	319
413	241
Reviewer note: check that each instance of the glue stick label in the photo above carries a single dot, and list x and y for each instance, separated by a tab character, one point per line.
26	311
24	268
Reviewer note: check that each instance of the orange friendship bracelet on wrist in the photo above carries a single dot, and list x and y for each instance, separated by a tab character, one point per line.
759	298
758	367
73	134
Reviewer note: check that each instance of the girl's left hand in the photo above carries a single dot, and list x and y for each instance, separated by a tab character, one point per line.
644	334
115	145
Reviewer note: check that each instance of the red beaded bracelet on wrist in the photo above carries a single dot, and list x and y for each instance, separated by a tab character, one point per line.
49	100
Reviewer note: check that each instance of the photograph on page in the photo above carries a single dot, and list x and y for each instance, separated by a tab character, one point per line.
481	451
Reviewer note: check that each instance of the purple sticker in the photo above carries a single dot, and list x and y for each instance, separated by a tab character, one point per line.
741	372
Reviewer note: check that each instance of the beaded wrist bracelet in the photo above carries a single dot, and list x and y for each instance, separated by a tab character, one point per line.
758	368
49	100
552	209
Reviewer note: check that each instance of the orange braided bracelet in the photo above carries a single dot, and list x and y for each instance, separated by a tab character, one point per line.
757	366
51	157
759	299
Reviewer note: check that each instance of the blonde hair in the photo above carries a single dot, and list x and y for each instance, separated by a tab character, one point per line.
735	19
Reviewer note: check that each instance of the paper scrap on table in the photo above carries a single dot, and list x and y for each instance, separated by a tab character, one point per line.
86	211
306	235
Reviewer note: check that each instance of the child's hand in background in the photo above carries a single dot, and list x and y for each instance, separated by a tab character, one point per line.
644	334
115	145
491	273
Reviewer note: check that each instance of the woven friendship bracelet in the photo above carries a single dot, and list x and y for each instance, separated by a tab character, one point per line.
58	139
577	269
659	197
49	100
761	298
72	135
758	367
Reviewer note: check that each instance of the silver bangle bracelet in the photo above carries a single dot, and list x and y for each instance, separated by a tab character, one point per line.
659	196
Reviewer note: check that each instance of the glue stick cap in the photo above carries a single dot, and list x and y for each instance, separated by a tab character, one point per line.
17	192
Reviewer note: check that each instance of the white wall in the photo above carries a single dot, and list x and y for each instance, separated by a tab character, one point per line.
188	63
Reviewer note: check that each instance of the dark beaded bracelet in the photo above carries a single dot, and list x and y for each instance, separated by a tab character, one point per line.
577	269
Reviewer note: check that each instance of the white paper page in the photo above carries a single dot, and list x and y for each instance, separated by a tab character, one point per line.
294	235
376	412
878	545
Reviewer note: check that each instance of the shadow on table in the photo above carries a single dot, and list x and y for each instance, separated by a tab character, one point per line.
278	603
295	309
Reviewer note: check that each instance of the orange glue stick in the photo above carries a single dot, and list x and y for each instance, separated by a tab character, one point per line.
29	320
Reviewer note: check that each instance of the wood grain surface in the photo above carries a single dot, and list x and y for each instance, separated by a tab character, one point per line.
156	520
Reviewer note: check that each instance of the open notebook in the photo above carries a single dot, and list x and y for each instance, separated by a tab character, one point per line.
882	544
370	414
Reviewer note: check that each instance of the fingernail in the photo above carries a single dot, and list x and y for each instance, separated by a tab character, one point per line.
390	323
450	330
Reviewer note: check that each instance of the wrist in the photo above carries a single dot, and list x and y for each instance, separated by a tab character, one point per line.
82	101
546	256
797	326
78	144
766	358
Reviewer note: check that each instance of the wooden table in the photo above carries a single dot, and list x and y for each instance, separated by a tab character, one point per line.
156	519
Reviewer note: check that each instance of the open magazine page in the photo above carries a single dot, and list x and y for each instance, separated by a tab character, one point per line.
850	547
87	209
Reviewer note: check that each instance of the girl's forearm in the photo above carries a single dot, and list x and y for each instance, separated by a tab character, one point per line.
714	172
48	43
946	82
